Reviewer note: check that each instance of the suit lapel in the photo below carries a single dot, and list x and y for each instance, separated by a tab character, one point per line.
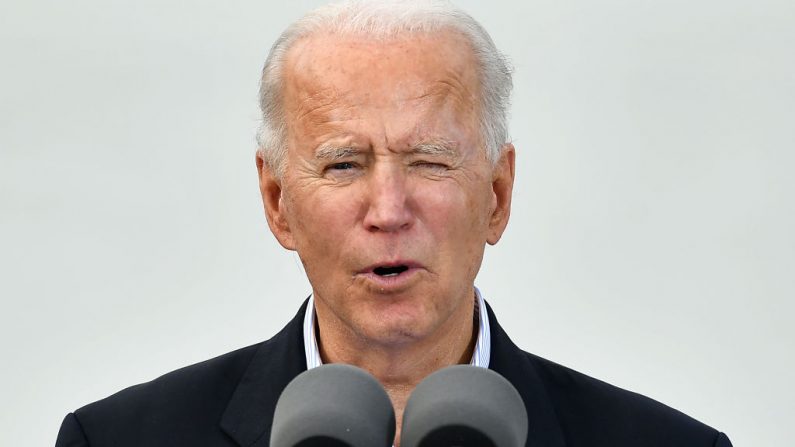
249	414
516	366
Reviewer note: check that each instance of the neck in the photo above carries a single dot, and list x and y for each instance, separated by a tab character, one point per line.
399	366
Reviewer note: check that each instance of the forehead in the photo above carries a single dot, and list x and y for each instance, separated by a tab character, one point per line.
346	52
329	73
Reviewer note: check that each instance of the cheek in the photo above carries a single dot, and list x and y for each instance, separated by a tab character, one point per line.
322	221
453	213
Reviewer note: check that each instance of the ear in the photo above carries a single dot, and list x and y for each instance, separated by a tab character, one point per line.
271	189
502	188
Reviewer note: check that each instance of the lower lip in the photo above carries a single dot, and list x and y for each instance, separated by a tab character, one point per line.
391	283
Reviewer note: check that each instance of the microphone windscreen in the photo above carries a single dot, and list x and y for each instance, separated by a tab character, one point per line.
333	405
464	406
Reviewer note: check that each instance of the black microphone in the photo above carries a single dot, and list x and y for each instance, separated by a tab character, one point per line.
464	406
333	406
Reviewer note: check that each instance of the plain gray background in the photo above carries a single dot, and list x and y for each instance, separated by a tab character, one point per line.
651	243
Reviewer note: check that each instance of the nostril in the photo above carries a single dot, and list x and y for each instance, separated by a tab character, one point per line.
390	271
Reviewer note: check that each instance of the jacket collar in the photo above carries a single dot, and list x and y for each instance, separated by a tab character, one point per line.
249	414
517	366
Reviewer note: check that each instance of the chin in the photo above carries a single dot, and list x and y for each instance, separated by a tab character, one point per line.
394	336
398	328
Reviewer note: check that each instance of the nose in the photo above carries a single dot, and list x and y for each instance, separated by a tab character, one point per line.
388	207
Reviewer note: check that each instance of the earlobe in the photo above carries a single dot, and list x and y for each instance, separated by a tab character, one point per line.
272	200
502	189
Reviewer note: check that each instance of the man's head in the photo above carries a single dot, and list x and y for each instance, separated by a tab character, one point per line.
379	170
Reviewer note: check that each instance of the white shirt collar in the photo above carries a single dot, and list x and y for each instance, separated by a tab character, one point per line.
480	356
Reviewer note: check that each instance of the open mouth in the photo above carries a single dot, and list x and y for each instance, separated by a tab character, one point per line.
394	270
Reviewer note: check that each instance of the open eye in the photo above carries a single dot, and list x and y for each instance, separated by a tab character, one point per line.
342	166
342	170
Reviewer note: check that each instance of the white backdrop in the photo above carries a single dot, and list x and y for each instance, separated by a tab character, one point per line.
651	243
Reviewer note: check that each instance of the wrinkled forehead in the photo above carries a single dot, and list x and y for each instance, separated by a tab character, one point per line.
362	69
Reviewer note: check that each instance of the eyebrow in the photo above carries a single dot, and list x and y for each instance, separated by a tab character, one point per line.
436	147
433	148
332	152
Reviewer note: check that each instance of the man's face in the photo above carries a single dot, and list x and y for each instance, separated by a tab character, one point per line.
387	195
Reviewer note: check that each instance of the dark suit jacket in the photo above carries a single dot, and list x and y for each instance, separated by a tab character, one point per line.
229	401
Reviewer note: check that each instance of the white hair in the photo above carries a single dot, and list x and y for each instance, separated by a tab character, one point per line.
384	19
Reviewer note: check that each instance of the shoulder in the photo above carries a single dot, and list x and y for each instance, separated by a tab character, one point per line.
593	412
219	373
201	404
583	411
193	396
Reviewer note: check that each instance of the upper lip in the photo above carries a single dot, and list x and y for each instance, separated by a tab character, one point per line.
395	263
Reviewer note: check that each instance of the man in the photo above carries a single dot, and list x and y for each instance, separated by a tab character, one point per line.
384	163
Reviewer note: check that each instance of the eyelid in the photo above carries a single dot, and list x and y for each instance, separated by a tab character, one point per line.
431	165
436	158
